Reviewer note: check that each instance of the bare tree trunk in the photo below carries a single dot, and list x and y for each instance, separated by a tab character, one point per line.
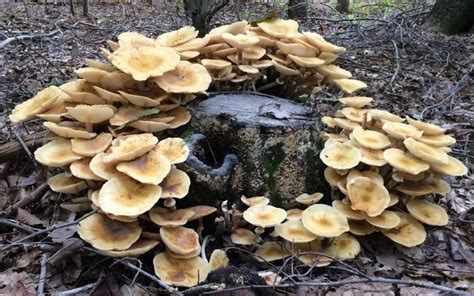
343	6
452	16
297	9
201	12
85	7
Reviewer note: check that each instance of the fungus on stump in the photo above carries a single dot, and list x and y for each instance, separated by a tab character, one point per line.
274	141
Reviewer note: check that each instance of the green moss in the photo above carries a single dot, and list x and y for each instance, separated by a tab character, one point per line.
272	160
312	171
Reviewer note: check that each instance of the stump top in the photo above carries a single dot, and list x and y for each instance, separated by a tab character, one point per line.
255	109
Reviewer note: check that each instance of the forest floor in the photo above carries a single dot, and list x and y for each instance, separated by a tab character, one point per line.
410	70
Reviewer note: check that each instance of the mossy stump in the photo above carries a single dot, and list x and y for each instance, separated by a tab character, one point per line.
256	145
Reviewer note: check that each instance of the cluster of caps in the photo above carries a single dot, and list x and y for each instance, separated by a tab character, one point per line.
383	167
315	235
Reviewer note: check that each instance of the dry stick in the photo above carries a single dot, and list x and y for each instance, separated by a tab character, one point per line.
31	37
18	225
42	277
25	147
398	63
36	194
75	290
49	229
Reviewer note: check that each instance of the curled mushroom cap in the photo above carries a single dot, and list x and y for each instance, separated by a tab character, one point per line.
404	162
371	156
415	188
91	113
104	170
371	139
167	217
346	124
271	251
129	147
68	131
56	153
401	131
408	233
294	214
347	211
427	128
454	167
180	272
360	227
138	248
43	100
332	177
66	184
368	196
93	146
353	114
319	41
425	152
135	40
340	156
344	247
145	62
218	259
437	140
181	240
355	102
333	72
175	149
264	215
243	236
185	78
296	49
279	28
324	221
107	234
177	37
254	201
308	62
386	220
201	211
176	184
427	212
81	169
350	85
127	197
150	168
309	199
294	231
215	64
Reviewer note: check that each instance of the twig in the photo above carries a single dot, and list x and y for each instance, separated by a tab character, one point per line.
36	194
25	147
31	37
398	63
76	290
42	277
18	225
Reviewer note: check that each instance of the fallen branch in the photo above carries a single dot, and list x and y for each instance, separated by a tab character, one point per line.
76	290
35	195
42	277
11	149
30	36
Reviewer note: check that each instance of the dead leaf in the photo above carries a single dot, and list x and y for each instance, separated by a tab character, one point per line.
16	284
28	218
61	234
70	247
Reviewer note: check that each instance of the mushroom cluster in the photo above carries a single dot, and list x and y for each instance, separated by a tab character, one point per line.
315	236
383	168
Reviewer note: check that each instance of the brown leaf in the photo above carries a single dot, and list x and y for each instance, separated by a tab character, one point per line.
70	247
28	218
16	284
61	234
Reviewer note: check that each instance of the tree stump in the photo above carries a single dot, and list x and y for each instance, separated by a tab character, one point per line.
253	144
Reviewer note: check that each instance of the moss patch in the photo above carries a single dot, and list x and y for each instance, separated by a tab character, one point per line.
272	160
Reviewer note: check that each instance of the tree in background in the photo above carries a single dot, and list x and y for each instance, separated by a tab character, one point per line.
343	6
297	9
201	12
452	16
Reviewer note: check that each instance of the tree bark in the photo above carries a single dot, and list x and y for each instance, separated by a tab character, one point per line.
85	7
201	12
452	16
256	145
343	6
297	9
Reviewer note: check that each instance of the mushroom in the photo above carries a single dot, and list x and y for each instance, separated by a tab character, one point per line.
368	195
193	45
354	114
180	272
175	149
152	99
254	201
427	212
69	131
126	197
427	128
296	49
294	231
92	75
135	40
129	147
309	253
243	236
332	177
294	214
64	183
104	170
415	188
150	168
309	199
360	227
92	147
271	251
175	185
180	240
426	152
90	114
437	140
264	215
185	78
177	37
99	65
340	156
355	102
371	139
408	233
349	85
218	259
307	62
181	116
454	167
386	220
401	131
404	162
278	28
319	41
80	169
344	247
138	248
333	72
166	217
346	124
56	153
107	234
347	211
324	221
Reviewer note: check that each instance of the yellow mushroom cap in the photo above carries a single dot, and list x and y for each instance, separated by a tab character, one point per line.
56	153
427	212
264	215
129	147
340	156
439	186
218	259
215	64
344	247
324	221
150	168
43	100
93	146
377	114
180	272
296	49
80	169
386	220
319	41
427	128
308	62
350	85
127	197
66	184
92	75
181	116
104	170
177	37
332	177
145	62
175	149
167	217
183	256
437	140
347	211
279	28
426	152
372	157
201	211
404	162
355	102
408	233
193	45
333	72
454	167
135	40
353	114
376	177
107	234
311	259
294	214
346	124
243	236
401	131
368	195
185	78
253	52
91	113
181	240
415	188
309	199
254	201
294	231
271	251
284	69
371	139
68	131
360	227
138	248
176	184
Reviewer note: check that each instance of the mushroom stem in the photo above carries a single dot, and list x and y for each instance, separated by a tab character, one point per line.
239	56
200	227
203	246
226	212
170	203
89	127
258	231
